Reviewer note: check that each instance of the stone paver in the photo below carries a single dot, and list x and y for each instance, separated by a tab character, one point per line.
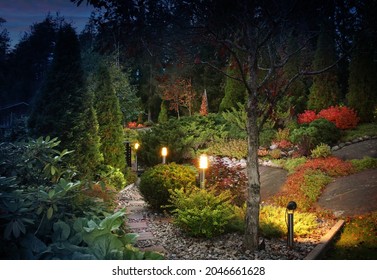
145	236
351	195
137	225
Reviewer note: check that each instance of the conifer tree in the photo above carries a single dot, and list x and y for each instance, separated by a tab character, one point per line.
362	94
204	105
109	119
163	115
324	91
64	108
235	91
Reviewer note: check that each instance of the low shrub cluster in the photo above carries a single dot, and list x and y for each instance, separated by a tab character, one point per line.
273	222
308	180
310	135
343	117
202	212
321	151
157	182
363	164
234	148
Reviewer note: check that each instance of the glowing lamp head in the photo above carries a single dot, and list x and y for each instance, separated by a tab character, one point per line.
164	151
137	145
203	162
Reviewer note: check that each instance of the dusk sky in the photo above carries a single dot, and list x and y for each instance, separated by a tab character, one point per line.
21	14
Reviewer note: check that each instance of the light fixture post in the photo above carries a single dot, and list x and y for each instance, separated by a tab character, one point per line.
164	153
203	165
291	207
137	145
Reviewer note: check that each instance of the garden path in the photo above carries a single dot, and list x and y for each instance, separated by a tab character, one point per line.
357	193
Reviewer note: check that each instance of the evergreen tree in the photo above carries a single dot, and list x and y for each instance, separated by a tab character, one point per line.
29	61
235	91
109	119
362	94
296	98
163	115
204	105
64	108
324	91
128	101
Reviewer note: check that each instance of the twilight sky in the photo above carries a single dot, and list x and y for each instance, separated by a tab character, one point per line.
20	14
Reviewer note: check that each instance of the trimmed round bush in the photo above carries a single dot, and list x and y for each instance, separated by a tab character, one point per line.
202	212
327	132
157	182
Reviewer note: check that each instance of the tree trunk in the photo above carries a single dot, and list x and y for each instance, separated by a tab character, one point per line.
251	238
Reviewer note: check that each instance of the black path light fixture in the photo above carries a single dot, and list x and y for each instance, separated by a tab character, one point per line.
291	207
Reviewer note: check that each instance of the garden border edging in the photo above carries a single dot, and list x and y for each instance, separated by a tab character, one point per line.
325	241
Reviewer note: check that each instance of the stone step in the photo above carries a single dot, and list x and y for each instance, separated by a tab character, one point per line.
136	202
157	248
135	216
145	236
137	225
133	209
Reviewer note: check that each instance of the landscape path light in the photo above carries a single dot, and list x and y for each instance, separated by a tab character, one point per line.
291	207
164	153
203	165
137	145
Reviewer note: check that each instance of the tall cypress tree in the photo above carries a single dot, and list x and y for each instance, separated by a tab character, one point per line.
109	119
324	91
362	94
64	108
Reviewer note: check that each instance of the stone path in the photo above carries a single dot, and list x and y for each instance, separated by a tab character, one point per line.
136	212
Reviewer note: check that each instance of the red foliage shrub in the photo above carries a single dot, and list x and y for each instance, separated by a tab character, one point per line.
223	177
342	116
284	144
332	166
134	125
307	117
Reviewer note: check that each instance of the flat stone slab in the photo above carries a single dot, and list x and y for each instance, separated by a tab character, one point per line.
351	195
136	203
272	179
135	216
158	249
358	150
135	208
145	236
137	225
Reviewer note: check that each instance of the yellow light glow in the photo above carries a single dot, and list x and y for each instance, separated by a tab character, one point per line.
164	151
137	145
203	162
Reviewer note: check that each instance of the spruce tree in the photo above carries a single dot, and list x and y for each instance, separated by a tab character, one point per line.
235	91
324	91
109	119
64	108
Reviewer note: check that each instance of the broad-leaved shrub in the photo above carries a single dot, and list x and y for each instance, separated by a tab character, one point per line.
222	177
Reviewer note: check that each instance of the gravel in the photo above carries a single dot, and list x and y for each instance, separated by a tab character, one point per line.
178	246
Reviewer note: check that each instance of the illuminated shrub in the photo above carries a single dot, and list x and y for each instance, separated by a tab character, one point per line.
222	177
158	181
